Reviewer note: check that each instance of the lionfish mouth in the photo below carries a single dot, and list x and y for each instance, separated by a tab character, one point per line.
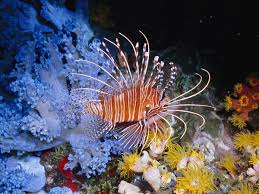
137	100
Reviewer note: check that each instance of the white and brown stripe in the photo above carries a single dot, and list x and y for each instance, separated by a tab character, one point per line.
127	106
140	100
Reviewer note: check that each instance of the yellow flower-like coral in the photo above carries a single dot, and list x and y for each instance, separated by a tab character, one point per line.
125	166
255	139
254	159
238	88
245	188
255	106
175	154
244	101
228	162
238	121
195	180
242	140
255	96
228	103
253	82
178	156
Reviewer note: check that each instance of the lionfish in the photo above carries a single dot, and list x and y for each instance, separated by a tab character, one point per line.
137	101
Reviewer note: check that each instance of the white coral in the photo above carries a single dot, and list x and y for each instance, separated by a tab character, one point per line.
254	173
142	163
153	177
127	188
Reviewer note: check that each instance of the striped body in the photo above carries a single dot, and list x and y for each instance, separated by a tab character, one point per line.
137	100
127	106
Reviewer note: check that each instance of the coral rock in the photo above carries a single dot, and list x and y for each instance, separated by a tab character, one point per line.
153	177
142	163
127	188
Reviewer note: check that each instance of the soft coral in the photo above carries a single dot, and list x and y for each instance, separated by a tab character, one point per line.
244	100
68	174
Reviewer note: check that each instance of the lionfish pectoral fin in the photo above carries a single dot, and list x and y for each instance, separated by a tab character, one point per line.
97	127
131	135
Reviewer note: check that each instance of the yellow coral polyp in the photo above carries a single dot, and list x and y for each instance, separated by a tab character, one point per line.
253	82
198	155
242	140
175	154
228	103
129	160
255	106
228	162
238	88
238	121
255	96
255	139
244	101
254	159
244	188
195	180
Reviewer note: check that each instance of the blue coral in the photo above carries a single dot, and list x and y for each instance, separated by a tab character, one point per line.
12	180
46	44
92	155
38	109
61	190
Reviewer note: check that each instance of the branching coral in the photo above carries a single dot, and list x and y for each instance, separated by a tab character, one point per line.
92	155
41	108
195	180
244	100
61	190
12	180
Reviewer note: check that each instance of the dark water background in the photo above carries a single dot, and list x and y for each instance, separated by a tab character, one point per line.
224	33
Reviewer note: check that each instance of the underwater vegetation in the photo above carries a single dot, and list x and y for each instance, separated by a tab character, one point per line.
83	115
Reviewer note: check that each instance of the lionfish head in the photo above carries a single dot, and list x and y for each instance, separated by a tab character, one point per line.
137	96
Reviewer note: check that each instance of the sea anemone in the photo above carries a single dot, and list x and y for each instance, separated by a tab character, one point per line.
228	103
244	100
228	163
255	96
245	188
238	121
157	143
129	160
253	82
195	180
244	140
238	88
254	159
175	154
178	156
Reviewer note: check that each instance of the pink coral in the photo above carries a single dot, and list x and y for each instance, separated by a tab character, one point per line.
254	173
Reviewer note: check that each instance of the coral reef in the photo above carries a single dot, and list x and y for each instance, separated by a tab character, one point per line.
45	140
